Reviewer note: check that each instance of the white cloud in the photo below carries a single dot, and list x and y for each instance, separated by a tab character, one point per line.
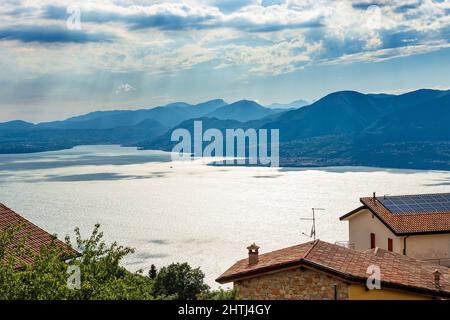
265	37
124	88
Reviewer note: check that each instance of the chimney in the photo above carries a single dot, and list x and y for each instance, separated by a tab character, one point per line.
253	254
437	278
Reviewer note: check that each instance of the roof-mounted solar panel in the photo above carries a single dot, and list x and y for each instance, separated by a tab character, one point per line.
417	203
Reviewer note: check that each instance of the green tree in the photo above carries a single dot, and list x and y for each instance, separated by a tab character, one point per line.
152	273
180	280
220	294
102	276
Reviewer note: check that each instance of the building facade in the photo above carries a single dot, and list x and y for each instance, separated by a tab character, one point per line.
322	271
423	235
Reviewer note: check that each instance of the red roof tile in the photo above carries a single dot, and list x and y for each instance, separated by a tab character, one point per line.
34	236
397	271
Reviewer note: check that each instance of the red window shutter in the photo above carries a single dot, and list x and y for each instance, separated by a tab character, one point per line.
372	241
390	244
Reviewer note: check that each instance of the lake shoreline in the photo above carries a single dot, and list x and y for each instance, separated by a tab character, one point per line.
283	162
188	212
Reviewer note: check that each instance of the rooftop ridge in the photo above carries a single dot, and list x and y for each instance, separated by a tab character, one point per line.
315	242
413	194
407	273
408	213
35	237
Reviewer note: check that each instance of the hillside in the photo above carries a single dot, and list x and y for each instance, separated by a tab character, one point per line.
343	128
168	115
242	111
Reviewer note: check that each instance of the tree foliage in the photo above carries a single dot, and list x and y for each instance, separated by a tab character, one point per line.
152	273
102	275
220	294
180	280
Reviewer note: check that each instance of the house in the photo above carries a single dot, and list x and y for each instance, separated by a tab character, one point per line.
32	236
413	225
319	270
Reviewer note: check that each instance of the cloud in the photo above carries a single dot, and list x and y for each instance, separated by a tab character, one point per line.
262	37
283	57
366	5
407	7
166	16
177	16
51	34
124	88
228	6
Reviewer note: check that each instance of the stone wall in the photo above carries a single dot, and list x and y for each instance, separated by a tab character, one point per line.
293	284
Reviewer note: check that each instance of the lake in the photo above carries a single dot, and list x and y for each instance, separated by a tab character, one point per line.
205	215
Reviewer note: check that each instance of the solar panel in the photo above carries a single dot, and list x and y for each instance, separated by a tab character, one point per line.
417	203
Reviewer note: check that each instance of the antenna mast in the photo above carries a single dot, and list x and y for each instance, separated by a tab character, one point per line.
313	219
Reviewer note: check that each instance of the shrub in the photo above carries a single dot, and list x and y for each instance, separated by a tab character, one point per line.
180	280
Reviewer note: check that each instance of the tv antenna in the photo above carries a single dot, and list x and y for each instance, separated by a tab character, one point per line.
313	219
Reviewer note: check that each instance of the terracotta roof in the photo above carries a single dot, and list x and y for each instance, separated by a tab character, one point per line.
405	223
34	236
397	271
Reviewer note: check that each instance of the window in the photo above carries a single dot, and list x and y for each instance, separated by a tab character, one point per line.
390	244
372	241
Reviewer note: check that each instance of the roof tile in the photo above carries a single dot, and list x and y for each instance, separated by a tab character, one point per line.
409	223
396	270
34	236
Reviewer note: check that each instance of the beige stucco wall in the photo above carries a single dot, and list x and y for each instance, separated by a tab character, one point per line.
293	284
428	246
361	225
359	292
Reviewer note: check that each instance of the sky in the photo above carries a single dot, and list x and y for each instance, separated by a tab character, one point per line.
64	58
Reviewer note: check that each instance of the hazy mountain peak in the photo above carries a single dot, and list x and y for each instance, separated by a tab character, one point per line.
245	101
292	105
345	93
16	125
177	104
214	101
242	110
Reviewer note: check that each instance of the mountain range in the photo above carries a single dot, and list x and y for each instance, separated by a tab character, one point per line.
293	105
410	130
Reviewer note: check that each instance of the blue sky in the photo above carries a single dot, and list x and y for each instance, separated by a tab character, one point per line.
135	54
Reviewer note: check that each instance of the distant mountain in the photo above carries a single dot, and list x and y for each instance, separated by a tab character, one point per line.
417	97
164	142
168	115
205	108
344	112
242	111
410	130
15	125
293	105
349	128
421	119
38	139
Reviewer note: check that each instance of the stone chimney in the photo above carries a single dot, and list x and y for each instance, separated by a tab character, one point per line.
437	278
253	254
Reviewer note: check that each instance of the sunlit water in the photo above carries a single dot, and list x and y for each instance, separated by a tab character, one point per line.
204	215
